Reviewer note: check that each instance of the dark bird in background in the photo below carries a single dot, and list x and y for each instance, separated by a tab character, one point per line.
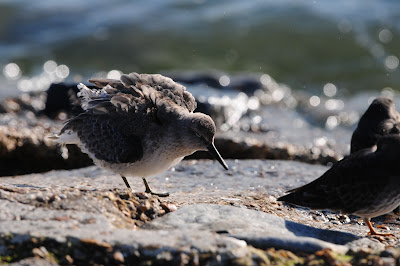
380	119
366	184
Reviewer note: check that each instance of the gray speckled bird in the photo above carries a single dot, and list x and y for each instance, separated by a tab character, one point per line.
366	183
381	118
139	126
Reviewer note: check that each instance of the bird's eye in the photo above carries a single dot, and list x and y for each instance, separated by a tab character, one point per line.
197	134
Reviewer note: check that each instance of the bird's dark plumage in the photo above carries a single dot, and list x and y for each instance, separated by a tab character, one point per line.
381	118
366	183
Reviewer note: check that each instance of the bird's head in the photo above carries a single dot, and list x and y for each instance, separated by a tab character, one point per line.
201	135
381	108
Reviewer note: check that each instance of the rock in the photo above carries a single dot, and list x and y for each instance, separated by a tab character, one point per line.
24	147
34	261
45	229
33	102
118	256
258	229
60	97
92	221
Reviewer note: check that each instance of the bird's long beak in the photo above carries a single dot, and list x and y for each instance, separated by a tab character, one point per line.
211	148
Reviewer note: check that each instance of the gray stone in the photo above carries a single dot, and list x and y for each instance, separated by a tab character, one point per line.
258	229
76	208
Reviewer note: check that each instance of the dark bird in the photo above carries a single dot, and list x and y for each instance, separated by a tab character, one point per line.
381	118
139	125
366	183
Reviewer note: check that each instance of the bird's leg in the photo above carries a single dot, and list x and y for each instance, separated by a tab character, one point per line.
372	230
126	183
148	190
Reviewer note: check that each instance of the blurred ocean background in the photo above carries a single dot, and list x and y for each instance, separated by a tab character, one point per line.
351	46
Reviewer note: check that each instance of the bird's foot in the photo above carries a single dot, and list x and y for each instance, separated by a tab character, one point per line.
372	231
379	234
160	194
148	190
375	233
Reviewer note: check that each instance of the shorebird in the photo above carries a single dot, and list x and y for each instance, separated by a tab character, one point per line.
139	126
381	118
366	183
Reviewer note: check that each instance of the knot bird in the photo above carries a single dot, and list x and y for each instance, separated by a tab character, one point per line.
139	125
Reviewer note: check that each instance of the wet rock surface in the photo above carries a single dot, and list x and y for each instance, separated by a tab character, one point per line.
24	147
259	229
212	216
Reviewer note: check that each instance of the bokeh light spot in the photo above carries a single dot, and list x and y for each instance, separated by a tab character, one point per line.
265	79
50	66
253	103
315	101
114	74
277	95
224	80
25	85
391	62
332	122
332	104
62	71
330	89
385	36
12	71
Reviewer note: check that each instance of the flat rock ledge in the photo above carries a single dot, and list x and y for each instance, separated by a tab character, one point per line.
79	217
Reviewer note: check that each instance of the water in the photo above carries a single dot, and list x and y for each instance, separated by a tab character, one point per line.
353	44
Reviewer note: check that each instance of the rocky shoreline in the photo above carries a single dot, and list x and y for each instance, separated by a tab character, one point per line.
73	217
57	208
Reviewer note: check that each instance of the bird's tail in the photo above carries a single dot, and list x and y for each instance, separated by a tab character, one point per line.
53	137
65	137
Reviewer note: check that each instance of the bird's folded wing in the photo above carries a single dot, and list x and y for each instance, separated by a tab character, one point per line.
109	138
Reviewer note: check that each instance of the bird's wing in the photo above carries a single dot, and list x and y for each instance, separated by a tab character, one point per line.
108	137
165	87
